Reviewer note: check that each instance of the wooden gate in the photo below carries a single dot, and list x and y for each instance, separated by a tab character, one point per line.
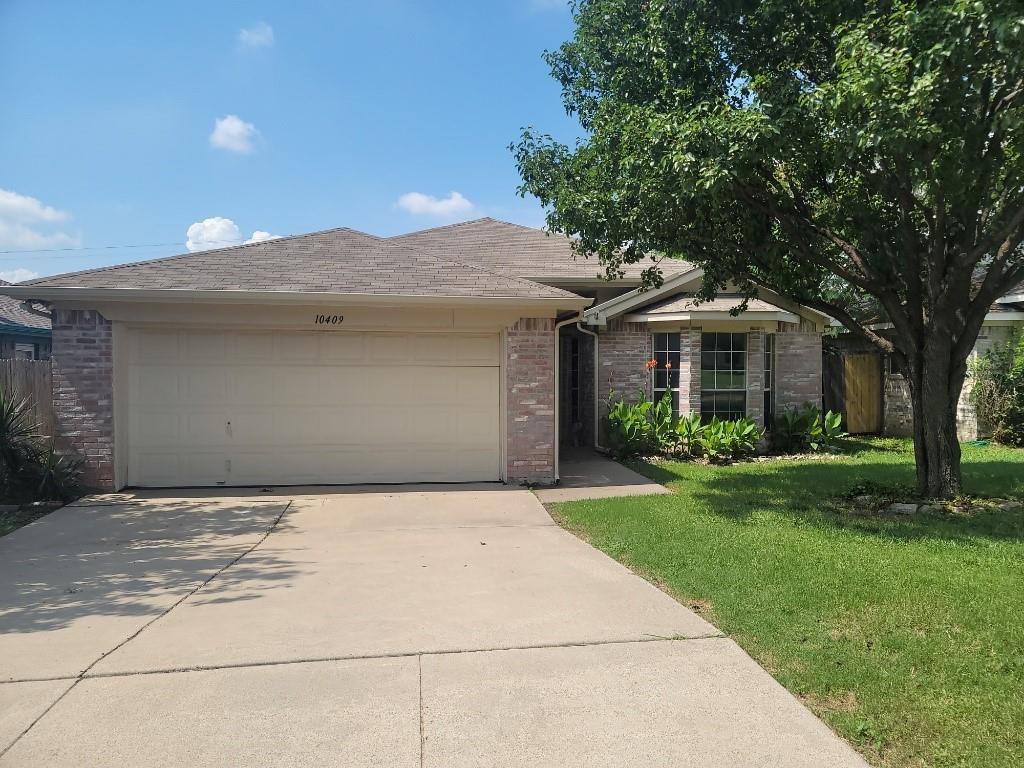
32	379
862	374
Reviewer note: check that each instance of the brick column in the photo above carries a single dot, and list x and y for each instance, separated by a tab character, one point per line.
530	401
83	391
755	376
797	370
689	370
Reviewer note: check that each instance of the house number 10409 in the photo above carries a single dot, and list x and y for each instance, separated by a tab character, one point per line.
329	320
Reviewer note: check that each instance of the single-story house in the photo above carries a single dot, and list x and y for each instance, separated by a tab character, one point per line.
468	352
24	331
872	393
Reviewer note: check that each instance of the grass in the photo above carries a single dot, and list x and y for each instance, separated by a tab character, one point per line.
905	634
12	521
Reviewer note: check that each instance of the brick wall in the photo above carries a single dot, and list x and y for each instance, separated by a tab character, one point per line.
755	376
689	370
897	412
625	349
83	391
797	370
529	394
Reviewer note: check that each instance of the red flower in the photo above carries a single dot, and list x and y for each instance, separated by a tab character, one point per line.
652	364
668	364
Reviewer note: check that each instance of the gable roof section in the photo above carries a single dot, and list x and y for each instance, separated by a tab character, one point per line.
341	261
515	250
13	315
687	302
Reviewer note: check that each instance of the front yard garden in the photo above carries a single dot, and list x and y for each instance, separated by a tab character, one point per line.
904	632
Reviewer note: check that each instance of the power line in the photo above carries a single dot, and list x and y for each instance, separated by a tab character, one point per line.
112	247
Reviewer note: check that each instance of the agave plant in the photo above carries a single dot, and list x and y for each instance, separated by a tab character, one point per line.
56	477
19	437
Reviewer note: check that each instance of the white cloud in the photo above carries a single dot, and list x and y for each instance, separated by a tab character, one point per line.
259	35
28	224
218	232
18	275
233	134
427	205
259	236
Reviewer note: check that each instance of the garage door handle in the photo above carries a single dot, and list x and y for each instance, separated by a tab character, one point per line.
228	430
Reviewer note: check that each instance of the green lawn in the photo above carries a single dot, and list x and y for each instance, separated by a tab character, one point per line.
905	634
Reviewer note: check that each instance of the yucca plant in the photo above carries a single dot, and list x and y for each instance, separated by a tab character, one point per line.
19	438
56	477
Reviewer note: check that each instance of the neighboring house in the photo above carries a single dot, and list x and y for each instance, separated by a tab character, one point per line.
460	353
24	333
876	394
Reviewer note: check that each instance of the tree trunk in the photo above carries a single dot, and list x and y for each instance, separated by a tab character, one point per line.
935	383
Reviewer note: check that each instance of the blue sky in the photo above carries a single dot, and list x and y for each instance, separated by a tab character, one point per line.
128	123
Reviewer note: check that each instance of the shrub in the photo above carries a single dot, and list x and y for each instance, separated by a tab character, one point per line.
663	423
998	391
805	428
28	466
629	432
19	439
688	434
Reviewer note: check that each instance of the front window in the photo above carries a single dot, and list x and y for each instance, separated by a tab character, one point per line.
723	375
666	369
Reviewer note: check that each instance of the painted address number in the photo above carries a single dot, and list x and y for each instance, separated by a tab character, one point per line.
329	320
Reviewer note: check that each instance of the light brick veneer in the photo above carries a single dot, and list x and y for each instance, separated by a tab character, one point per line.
797	370
755	376
689	370
83	391
529	397
625	349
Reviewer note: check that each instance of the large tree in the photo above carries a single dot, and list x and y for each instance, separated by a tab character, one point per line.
842	153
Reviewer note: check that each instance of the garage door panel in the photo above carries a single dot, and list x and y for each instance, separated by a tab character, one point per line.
156	347
205	347
343	348
205	385
156	385
205	428
153	427
308	408
299	347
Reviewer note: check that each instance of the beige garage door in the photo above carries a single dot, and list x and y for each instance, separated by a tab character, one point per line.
240	408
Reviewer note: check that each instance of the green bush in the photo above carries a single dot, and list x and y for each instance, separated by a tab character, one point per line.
629	432
805	428
643	427
30	467
998	390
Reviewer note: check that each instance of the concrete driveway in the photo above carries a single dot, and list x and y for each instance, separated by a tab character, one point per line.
364	627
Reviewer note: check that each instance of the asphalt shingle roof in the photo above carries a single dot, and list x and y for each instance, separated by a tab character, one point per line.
515	250
722	303
333	261
12	313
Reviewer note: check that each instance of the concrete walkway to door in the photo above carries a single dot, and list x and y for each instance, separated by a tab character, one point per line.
361	627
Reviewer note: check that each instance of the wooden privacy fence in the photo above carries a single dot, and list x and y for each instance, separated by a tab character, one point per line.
32	378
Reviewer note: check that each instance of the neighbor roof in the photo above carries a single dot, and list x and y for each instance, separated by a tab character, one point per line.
515	250
333	261
12	313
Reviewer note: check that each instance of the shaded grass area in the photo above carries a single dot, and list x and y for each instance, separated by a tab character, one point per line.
12	521
906	634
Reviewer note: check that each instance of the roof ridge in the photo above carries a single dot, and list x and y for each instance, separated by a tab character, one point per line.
445	226
190	254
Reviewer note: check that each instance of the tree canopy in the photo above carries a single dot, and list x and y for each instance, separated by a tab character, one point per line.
842	153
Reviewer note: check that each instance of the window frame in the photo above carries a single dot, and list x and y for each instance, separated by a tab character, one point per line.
720	374
663	353
769	378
